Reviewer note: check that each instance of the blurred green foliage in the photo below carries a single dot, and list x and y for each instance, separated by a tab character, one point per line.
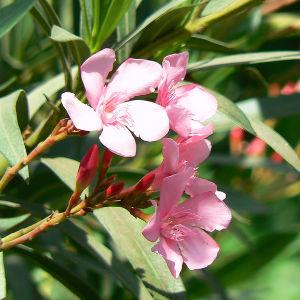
43	43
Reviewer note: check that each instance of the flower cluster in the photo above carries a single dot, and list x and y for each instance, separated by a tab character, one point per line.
179	226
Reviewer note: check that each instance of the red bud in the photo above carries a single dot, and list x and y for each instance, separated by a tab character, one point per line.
114	189
106	160
276	158
145	182
236	139
88	168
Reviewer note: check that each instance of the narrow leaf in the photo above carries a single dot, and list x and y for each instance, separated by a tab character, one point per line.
2	278
126	233
107	260
7	223
11	14
244	59
13	116
258	128
67	277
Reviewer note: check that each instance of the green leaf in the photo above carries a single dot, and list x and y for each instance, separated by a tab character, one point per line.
106	260
126	233
11	14
262	108
36	97
13	116
258	128
111	12
64	168
67	277
126	25
203	42
79	48
244	59
8	223
214	6
2	278
149	20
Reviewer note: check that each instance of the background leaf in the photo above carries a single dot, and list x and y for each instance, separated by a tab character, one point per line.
11	14
2	278
11	141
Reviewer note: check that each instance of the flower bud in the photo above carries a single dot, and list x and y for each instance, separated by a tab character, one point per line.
114	189
144	183
236	139
106	160
256	148
87	169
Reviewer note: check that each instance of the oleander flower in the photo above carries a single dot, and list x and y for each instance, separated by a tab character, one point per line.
110	111
188	106
179	155
180	227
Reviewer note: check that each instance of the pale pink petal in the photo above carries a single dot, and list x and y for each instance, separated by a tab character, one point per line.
194	150
146	119
133	78
174	66
118	139
170	163
212	212
152	229
170	155
94	72
195	99
82	115
198	251
197	186
168	249
198	129
171	190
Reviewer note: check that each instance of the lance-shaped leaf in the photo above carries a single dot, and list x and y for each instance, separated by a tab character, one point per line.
244	59
258	128
13	116
7	223
126	233
79	48
2	278
11	14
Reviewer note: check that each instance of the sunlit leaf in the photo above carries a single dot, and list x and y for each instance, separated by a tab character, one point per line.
107	260
126	233
7	223
244	59
13	116
2	278
11	14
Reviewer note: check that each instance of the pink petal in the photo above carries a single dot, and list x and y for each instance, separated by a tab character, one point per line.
82	115
171	190
197	186
174	66
194	150
168	249
152	229
195	99
198	251
212	212
94	72
118	139
147	120
133	78
170	155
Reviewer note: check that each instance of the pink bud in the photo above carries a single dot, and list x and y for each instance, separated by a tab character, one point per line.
114	189
256	148
88	168
144	183
288	88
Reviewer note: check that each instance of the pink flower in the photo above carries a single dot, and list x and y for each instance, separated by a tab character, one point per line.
180	226
109	110
179	155
188	105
